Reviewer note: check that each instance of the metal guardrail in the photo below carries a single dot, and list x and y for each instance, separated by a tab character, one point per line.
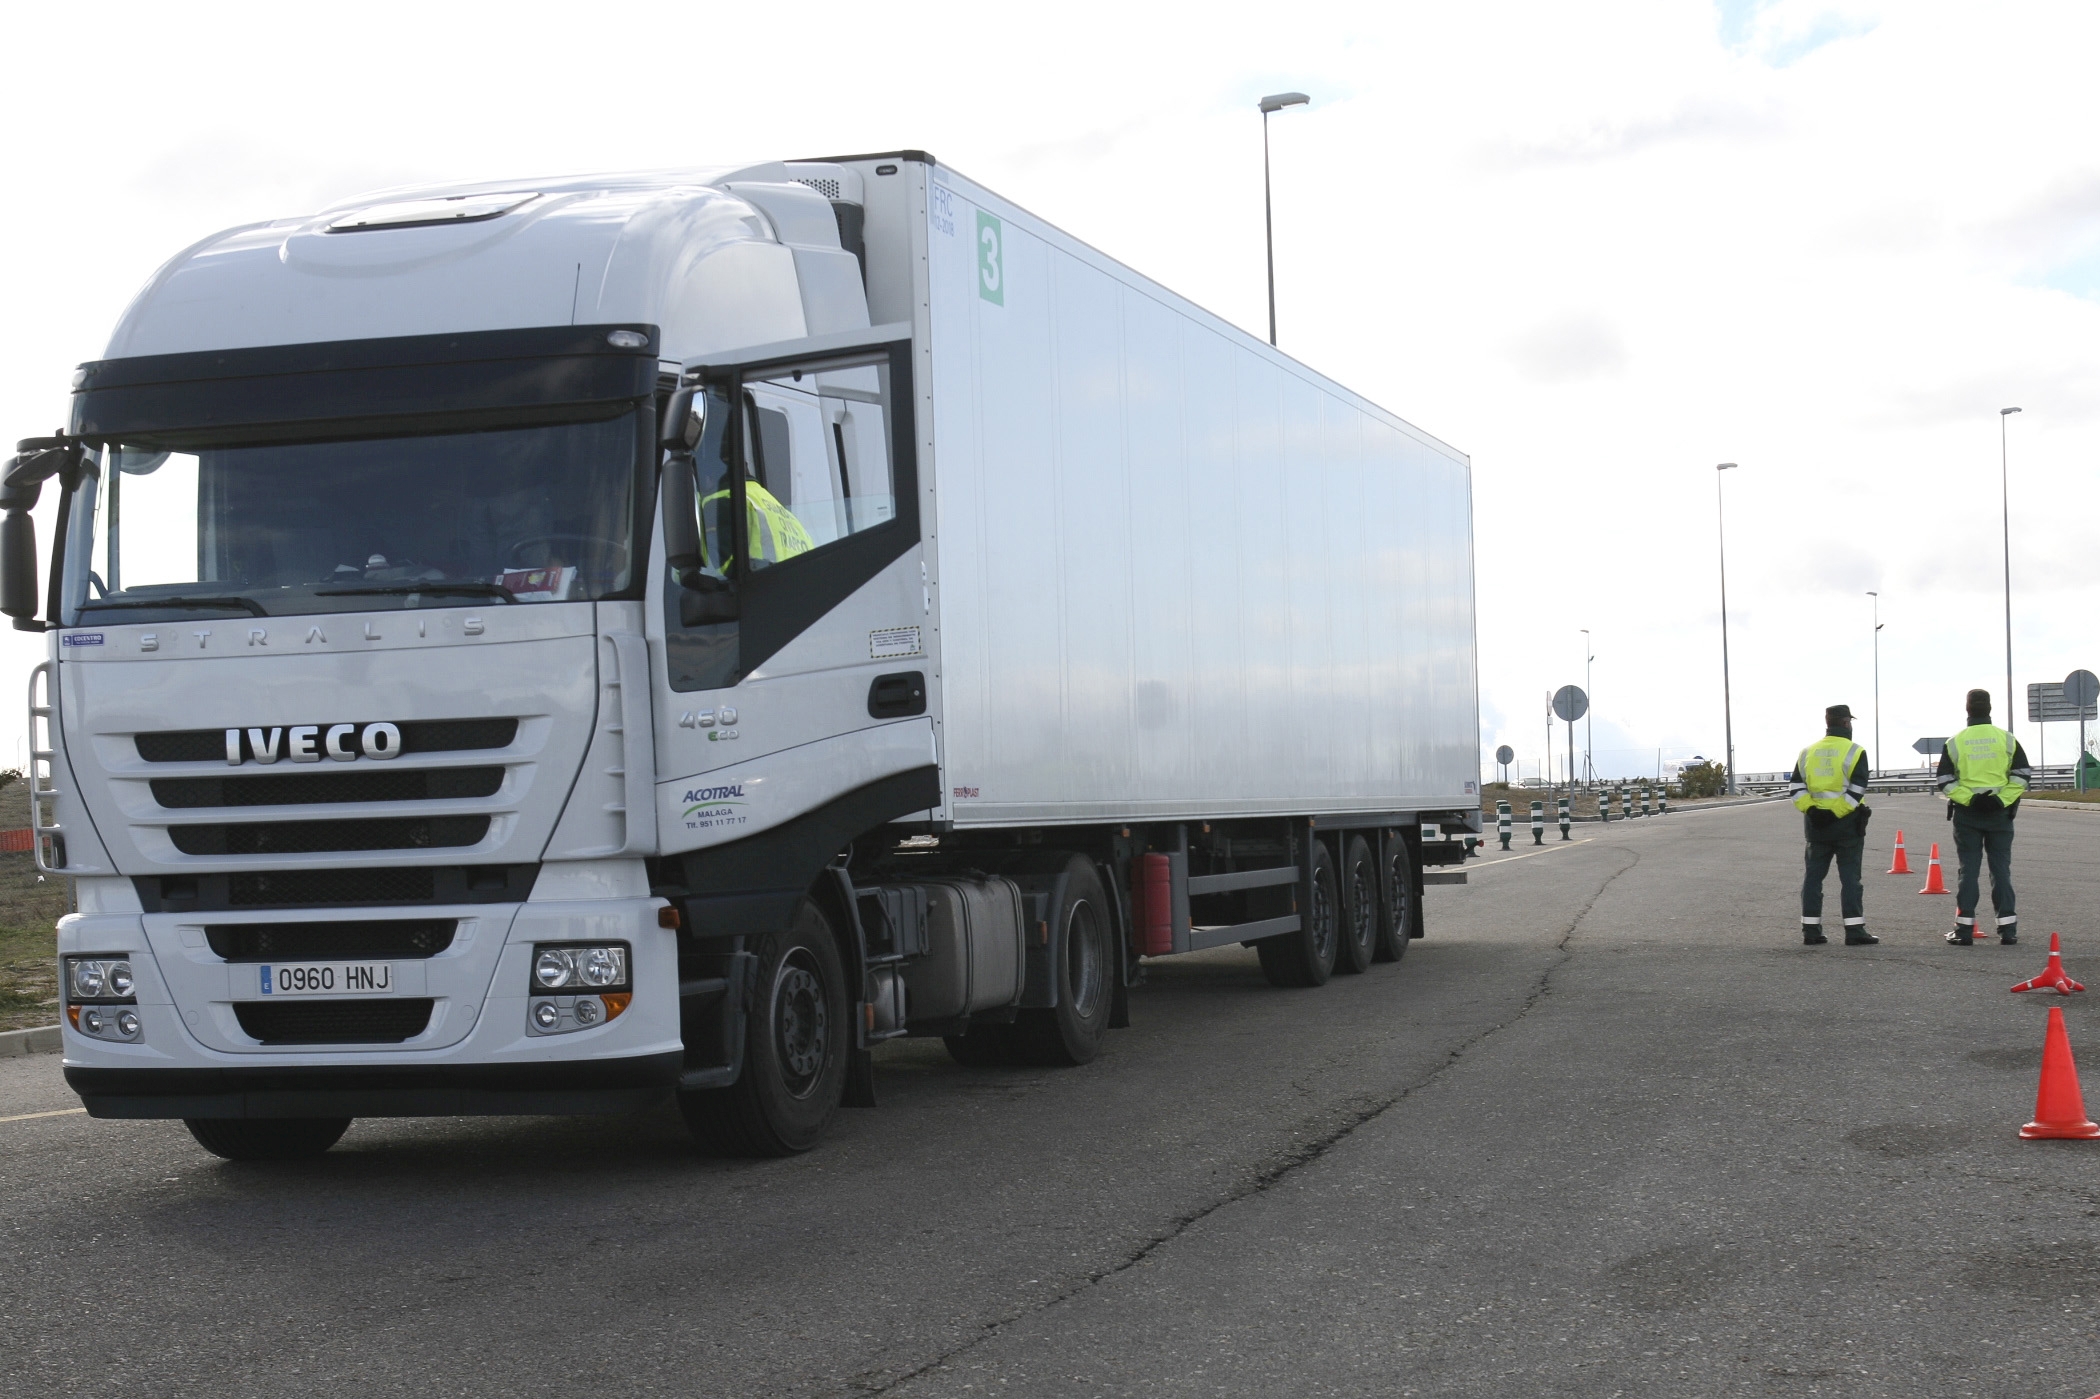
2062	776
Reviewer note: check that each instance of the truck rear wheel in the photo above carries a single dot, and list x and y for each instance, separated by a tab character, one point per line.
796	1041
1306	957
1358	944
1396	924
266	1138
1070	1032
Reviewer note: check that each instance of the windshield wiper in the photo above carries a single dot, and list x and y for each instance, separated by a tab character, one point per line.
238	604
406	589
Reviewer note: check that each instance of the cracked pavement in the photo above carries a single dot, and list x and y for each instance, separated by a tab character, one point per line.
1607	1130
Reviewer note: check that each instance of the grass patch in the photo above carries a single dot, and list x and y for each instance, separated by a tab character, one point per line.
2048	795
30	907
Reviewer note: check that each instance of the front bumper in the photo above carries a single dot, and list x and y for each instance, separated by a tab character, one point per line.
477	1056
402	1090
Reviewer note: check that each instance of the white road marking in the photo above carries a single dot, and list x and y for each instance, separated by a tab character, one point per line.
32	1116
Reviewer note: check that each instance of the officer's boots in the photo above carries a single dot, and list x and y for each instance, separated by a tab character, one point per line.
1856	935
1812	934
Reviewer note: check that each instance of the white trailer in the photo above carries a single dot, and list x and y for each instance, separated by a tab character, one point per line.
552	646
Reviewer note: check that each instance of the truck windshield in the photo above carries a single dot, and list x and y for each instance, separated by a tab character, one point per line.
518	515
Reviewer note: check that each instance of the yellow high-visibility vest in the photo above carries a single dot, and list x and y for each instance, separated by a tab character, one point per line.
1983	755
774	530
1826	768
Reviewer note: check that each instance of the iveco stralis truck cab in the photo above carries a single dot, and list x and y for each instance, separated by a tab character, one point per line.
347	735
496	660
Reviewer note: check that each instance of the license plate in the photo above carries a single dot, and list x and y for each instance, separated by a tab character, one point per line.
325	979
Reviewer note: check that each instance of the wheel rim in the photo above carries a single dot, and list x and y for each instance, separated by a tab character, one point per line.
1086	959
1403	898
801	1023
1363	921
1323	918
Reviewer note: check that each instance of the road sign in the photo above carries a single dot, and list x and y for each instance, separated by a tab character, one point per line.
1930	747
2082	688
1570	703
1505	755
2051	703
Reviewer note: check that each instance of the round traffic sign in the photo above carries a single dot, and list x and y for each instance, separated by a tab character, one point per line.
1505	755
2081	687
1570	703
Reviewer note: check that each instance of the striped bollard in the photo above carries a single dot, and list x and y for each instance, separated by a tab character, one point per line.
1647	796
1538	823
1662	801
1563	818
1502	821
1625	805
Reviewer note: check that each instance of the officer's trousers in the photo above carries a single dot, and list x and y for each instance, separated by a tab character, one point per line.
1847	844
1973	844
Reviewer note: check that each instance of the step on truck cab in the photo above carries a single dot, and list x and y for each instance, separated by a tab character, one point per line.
561	645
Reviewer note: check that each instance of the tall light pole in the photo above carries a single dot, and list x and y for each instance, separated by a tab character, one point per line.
1727	706
2005	521
1276	102
1877	683
1589	715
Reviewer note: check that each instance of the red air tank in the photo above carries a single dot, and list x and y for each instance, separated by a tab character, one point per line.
1154	900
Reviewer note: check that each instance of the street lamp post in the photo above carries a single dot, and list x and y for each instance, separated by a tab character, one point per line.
1727	706
2005	522
1877	683
1276	102
1589	715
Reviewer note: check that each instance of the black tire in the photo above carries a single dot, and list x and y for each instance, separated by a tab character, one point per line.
1306	957
1084	948
1357	945
1398	909
982	1047
797	1039
267	1138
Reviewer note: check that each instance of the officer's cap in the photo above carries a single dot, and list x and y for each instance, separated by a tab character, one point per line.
1838	714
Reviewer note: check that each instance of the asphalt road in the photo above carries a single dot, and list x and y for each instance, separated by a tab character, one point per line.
1608	1130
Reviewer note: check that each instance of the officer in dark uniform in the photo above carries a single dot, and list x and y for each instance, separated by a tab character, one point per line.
1829	788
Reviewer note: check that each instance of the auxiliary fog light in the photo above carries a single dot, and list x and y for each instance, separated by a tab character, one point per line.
558	1015
592	966
120	1023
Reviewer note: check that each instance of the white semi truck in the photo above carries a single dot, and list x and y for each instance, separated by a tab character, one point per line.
557	646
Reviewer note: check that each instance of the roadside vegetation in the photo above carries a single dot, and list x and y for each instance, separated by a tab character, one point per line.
30	907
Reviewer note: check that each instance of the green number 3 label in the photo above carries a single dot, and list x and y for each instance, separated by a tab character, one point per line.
991	259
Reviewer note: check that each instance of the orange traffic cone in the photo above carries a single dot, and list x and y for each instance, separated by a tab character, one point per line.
2053	977
1901	864
2059	1108
1934	884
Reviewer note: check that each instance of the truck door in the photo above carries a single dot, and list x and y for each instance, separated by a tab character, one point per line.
808	602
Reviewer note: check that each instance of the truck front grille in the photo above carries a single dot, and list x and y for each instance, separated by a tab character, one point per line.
208	892
417	736
311	837
334	1022
313	788
288	942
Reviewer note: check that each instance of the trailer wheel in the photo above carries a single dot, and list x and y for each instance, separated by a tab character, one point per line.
1397	925
796	1041
1358	944
266	1138
1070	1032
1306	957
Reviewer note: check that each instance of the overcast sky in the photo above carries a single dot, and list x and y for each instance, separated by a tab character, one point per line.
1599	247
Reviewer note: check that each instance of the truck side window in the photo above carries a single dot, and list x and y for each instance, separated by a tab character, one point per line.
817	462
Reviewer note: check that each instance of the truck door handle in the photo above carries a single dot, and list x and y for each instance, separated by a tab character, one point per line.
898	695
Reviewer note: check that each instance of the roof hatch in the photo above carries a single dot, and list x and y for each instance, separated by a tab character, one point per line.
419	213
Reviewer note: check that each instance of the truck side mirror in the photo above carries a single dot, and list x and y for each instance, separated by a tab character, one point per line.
18	560
681	518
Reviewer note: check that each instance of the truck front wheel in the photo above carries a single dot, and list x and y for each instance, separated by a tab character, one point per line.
796	1039
266	1138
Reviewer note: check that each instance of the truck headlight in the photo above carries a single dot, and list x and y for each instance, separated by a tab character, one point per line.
597	966
107	979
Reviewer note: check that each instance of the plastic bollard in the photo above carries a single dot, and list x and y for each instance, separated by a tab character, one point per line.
1538	823
1502	821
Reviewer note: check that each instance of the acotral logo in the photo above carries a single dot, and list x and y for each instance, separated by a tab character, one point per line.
310	743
